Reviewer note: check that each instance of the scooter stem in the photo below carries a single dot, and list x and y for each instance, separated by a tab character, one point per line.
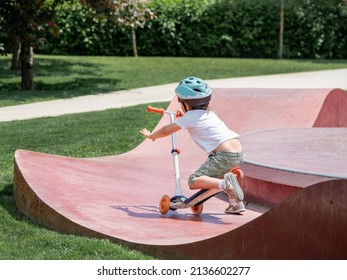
178	190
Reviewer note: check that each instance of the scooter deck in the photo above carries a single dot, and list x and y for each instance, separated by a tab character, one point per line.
195	200
201	196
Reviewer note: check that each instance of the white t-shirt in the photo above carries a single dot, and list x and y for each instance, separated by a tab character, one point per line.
205	128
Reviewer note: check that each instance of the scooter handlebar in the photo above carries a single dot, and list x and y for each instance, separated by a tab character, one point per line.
151	109
161	111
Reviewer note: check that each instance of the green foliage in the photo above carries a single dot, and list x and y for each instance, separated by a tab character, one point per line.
81	31
211	28
26	19
316	29
255	28
173	32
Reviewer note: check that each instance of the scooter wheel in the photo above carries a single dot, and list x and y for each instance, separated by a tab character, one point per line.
197	209
164	204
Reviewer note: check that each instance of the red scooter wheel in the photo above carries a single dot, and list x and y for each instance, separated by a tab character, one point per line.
197	209
164	204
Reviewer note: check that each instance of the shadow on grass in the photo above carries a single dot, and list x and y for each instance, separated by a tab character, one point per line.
52	67
54	78
11	93
321	61
7	201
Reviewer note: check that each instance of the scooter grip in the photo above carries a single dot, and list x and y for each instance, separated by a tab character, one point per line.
151	109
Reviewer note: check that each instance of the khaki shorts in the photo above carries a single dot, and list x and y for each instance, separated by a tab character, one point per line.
217	165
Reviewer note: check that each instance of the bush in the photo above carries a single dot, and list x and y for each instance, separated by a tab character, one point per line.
211	28
174	31
241	28
316	29
80	31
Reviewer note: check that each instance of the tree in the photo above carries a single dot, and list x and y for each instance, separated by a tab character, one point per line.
131	14
8	28
280	51
23	21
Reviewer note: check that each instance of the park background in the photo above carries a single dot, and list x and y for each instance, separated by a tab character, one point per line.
79	51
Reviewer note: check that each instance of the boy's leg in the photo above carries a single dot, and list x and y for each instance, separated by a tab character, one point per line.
205	182
209	173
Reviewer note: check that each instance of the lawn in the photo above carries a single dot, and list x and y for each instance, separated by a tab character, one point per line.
66	76
94	134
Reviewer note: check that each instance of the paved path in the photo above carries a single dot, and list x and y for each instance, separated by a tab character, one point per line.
316	79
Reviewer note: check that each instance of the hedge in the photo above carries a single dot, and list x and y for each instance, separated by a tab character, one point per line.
210	28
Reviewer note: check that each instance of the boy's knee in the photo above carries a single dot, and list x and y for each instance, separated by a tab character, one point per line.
191	180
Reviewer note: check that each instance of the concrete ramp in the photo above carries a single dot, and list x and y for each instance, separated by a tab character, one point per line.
116	197
248	110
281	162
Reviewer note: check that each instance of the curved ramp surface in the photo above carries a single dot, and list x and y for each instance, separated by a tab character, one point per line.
116	197
246	110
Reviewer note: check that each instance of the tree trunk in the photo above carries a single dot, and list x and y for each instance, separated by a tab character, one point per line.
133	39
280	51
15	62
27	59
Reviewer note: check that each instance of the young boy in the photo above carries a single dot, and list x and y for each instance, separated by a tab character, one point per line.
212	135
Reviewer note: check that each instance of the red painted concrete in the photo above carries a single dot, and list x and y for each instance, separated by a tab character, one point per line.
280	162
247	110
117	197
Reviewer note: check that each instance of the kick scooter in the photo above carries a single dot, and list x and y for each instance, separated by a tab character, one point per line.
179	201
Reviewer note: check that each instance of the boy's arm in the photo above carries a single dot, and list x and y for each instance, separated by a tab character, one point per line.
162	132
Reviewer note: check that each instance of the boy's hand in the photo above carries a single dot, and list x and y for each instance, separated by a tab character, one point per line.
162	132
179	113
145	133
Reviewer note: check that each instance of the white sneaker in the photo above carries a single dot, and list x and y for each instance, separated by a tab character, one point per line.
236	208
232	187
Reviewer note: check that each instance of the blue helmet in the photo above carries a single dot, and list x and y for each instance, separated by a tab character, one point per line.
193	91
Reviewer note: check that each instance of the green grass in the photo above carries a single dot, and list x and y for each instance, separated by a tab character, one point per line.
79	135
67	76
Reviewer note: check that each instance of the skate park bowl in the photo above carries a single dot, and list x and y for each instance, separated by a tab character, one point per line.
295	184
